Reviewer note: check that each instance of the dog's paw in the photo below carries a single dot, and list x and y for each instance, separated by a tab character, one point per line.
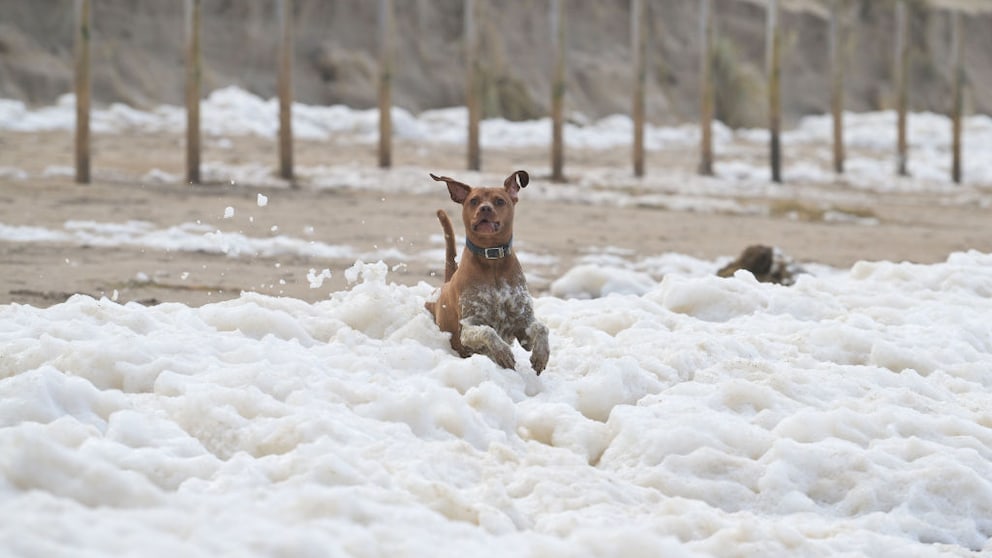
537	337
539	360
503	356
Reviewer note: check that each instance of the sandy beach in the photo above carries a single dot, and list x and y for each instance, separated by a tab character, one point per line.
554	231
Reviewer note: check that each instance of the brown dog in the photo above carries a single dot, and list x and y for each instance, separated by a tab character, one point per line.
484	302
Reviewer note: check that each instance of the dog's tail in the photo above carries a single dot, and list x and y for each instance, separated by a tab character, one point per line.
450	265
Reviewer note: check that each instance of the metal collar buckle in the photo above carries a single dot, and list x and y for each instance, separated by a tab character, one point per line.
491	253
495	253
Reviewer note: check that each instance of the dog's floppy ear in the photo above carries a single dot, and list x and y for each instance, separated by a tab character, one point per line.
458	190
516	181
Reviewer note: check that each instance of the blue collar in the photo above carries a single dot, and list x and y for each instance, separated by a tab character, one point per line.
493	253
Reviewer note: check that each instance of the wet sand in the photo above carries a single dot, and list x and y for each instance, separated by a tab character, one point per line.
916	227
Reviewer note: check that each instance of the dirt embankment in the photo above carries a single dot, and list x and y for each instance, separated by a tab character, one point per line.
138	55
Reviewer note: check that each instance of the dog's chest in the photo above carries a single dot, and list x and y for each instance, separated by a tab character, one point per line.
505	307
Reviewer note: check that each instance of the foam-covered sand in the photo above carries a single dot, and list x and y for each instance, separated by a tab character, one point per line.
706	416
231	111
681	414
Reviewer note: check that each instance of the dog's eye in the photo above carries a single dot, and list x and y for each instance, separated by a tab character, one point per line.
500	201
474	201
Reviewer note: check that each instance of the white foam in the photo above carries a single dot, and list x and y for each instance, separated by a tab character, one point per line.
681	414
852	408
231	111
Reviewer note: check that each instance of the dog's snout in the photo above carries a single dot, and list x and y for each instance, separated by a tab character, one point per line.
486	208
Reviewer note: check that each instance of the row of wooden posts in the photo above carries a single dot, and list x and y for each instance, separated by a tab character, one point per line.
386	39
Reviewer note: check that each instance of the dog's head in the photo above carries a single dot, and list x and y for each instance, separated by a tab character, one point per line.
487	212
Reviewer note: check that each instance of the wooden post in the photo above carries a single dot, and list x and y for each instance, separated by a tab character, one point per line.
386	46
472	85
558	90
286	90
902	89
193	89
957	94
82	85
706	90
837	42
638	50
773	58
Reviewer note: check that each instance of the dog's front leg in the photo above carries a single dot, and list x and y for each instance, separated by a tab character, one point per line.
535	340
484	340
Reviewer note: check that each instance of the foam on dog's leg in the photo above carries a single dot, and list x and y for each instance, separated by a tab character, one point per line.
537	335
484	340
